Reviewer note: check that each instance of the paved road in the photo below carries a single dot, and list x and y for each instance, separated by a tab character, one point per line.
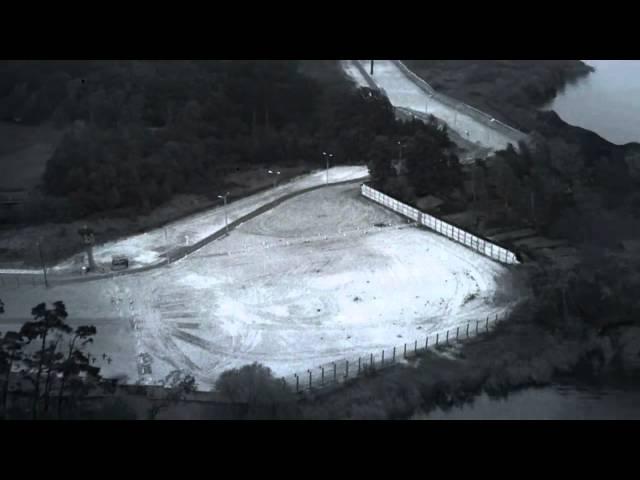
177	253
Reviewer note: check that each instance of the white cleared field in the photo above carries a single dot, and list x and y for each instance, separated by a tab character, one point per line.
402	92
309	282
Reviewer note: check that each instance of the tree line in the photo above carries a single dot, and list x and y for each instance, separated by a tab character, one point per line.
140	132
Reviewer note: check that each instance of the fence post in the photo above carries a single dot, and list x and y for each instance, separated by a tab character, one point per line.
393	360
371	362
426	343
346	375
477	323
404	355
447	340
382	358
467	329
496	317
487	323
297	383
415	348
437	335
359	365
335	372
457	331
322	377
310	386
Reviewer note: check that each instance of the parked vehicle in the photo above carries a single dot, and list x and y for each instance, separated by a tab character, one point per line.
119	262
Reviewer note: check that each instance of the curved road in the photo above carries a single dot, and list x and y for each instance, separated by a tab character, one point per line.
173	255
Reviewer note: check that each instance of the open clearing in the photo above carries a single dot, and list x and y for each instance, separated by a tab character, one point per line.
324	276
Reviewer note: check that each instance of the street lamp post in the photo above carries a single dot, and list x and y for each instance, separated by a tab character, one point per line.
44	268
226	217
275	178
327	156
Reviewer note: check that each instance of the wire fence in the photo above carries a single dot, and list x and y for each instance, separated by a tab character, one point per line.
457	234
25	280
339	372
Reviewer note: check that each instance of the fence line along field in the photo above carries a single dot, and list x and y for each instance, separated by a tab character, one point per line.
324	276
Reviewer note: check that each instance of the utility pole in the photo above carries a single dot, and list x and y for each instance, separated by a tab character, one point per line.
226	217
44	268
327	156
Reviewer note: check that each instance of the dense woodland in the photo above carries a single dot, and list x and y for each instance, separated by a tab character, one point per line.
142	131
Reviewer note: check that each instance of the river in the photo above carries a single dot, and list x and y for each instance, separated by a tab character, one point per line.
606	101
556	402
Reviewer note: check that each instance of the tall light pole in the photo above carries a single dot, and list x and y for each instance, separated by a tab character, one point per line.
427	104
44	268
275	178
327	156
226	217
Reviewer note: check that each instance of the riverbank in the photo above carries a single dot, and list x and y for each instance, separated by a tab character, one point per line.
585	330
510	90
519	354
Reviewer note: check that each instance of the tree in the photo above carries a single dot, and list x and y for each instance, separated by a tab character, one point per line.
430	167
76	362
46	323
380	168
10	354
176	385
255	386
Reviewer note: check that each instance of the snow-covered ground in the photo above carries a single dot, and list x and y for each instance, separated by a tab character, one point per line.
312	281
402	92
148	248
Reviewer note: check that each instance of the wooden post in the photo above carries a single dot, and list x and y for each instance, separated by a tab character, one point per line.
437	335
415	348
322	377
393	360
426	343
404	355
310	386
457	332
487	324
382	361
335	373
297	383
477	323
359	365
346	375
371	362
467	329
